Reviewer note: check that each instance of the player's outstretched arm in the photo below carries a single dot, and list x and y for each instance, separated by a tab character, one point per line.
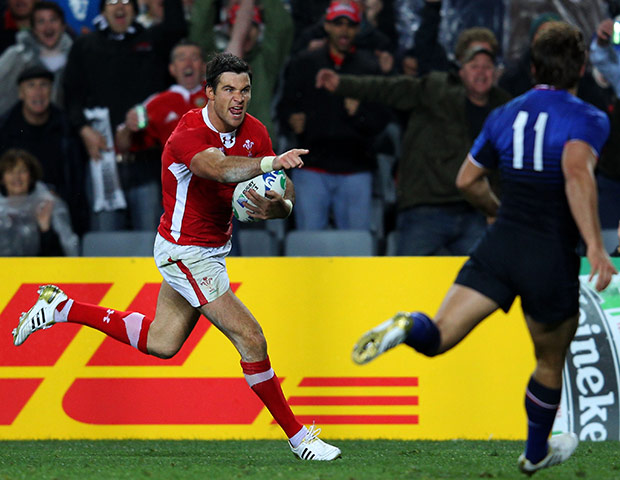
214	165
578	161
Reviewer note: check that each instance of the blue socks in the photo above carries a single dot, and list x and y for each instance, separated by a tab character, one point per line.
541	405
424	335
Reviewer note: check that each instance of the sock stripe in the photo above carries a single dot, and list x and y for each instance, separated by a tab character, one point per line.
539	402
133	324
255	378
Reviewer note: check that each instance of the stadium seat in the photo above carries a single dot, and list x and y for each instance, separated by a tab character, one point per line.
120	243
390	243
256	243
610	239
329	243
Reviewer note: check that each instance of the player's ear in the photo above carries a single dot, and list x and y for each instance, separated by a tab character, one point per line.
210	92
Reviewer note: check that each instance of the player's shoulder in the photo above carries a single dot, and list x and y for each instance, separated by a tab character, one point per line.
253	124
192	118
189	124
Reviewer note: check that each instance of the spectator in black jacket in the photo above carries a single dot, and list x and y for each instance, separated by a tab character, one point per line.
338	131
36	125
118	66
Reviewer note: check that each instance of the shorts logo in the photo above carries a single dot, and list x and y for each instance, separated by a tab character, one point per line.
208	282
106	319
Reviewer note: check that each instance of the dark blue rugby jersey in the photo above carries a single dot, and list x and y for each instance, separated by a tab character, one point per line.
524	139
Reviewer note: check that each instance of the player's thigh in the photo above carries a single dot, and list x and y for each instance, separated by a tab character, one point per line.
238	324
174	320
461	310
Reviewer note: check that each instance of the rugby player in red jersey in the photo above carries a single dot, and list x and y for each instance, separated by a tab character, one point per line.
211	150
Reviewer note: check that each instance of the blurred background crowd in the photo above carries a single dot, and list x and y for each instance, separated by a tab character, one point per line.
91	89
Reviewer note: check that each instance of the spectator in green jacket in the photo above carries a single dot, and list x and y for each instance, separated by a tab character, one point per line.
446	112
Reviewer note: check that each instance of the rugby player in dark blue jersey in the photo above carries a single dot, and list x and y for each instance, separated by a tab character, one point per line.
545	144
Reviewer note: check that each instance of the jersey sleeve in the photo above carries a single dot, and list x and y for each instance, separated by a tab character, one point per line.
592	128
483	152
185	143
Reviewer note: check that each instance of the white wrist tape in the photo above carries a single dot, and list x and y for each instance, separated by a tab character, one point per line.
289	204
266	164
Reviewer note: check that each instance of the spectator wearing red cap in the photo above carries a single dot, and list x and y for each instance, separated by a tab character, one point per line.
261	34
372	34
337	180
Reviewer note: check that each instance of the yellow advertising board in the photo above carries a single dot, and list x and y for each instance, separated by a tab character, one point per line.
72	382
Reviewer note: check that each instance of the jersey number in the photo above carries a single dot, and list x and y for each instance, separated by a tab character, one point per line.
518	129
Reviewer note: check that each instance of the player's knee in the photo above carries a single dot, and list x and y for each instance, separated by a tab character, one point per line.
255	344
164	350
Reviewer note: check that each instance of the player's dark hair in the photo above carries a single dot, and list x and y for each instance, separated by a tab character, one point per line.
558	55
184	43
47	5
222	63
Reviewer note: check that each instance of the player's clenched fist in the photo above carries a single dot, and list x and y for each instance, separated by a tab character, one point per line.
290	159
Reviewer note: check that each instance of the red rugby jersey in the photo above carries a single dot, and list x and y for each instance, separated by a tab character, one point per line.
198	211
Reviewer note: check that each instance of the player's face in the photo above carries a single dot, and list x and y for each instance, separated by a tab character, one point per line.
187	67
36	94
229	101
119	14
16	180
478	75
47	27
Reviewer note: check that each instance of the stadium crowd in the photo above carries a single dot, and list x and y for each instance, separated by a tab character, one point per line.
388	96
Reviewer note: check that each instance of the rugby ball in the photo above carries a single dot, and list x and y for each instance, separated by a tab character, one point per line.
261	184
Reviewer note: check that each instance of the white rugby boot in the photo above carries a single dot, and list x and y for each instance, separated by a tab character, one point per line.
41	315
313	448
380	339
561	447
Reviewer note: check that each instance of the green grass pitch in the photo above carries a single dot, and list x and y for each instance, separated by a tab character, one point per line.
272	460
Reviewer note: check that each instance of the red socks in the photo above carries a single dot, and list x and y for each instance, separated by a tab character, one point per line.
262	379
128	327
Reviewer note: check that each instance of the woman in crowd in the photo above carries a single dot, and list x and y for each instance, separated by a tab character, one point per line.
33	221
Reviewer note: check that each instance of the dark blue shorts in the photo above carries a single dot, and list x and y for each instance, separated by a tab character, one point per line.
544	272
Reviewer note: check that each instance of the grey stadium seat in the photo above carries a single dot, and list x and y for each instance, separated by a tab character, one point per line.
329	243
256	242
120	243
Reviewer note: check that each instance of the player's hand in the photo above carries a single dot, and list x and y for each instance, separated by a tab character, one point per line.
327	79
604	32
263	208
600	265
290	159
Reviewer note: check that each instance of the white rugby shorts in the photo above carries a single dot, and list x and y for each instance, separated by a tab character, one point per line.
197	273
